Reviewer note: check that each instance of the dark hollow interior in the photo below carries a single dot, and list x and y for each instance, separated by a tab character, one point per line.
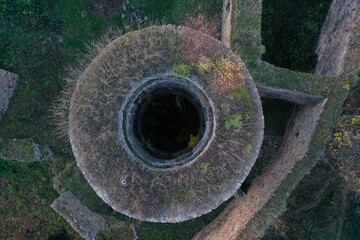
166	124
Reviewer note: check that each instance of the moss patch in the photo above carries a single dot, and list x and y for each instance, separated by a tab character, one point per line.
181	69
240	92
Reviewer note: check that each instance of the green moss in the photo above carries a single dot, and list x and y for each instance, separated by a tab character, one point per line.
239	92
28	149
235	121
249	147
173	40
181	69
205	167
246	28
167	200
262	49
134	152
158	176
353	77
123	232
71	179
18	149
193	142
132	149
181	194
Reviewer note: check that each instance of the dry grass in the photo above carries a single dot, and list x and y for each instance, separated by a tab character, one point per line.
202	24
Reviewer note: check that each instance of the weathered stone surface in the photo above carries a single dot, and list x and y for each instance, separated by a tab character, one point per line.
249	217
240	212
226	23
24	150
287	95
82	219
339	44
7	87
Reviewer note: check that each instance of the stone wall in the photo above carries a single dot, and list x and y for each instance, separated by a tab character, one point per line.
7	87
303	144
297	137
86	222
339	44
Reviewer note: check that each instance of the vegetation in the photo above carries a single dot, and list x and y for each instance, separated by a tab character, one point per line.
194	140
290	31
27	188
40	38
239	92
205	167
183	70
235	121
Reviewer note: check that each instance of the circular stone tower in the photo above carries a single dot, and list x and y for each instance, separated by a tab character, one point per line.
165	123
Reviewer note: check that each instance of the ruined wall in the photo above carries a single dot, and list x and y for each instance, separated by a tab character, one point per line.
249	217
86	222
339	43
226	23
239	213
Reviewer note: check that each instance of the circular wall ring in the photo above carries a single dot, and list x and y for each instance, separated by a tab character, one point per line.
165	124
140	99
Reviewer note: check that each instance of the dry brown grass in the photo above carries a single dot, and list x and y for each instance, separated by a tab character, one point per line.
202	24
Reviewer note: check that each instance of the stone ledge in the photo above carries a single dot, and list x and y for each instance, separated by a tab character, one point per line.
84	221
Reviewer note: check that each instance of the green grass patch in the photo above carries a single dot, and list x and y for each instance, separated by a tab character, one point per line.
239	92
236	121
205	167
71	179
26	193
181	69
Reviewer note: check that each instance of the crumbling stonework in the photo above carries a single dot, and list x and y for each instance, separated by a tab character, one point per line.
24	150
82	219
7	87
